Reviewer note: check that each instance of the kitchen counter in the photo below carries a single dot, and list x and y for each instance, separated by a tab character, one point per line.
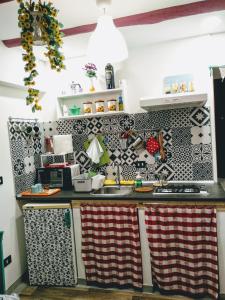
215	194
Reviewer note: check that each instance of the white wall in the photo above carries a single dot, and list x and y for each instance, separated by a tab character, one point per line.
147	66
12	103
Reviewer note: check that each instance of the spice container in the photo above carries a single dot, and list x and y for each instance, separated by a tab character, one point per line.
99	106
87	106
112	105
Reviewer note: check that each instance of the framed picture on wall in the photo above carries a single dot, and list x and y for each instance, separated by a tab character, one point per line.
182	83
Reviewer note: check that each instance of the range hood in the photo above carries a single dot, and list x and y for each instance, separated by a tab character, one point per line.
173	101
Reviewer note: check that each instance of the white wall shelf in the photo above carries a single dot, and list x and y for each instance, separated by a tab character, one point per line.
102	114
171	101
78	100
91	94
21	88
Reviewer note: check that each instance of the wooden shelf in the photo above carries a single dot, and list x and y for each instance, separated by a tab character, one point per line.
102	114
90	94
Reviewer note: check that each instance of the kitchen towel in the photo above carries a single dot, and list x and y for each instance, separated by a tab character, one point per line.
95	151
104	160
111	247
183	247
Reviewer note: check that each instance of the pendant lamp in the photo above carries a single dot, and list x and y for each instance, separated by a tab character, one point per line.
106	43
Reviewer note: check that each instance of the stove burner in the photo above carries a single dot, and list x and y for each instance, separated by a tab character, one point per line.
180	189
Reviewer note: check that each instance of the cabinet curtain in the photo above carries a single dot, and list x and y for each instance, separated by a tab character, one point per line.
183	247
111	248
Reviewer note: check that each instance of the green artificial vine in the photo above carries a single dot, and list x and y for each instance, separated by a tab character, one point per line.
45	15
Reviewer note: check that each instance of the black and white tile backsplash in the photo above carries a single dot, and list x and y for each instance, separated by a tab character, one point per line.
187	142
25	152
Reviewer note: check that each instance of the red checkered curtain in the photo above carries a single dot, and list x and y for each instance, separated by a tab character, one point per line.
111	248
183	246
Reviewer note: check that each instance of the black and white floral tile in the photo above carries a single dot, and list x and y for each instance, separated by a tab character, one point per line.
25	152
187	140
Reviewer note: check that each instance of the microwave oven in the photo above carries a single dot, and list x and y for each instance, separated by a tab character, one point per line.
57	177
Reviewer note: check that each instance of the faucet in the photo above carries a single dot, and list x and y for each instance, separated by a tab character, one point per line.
116	165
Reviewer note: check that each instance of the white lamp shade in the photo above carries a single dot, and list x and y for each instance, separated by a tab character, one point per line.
106	44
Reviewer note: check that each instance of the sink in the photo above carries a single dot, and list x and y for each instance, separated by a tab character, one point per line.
114	190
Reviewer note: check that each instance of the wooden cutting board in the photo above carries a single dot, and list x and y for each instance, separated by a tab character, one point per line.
144	189
45	193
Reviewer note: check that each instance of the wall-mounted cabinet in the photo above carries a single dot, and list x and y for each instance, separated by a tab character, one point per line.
65	103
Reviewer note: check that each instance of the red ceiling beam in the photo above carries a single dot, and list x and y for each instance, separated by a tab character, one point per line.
151	17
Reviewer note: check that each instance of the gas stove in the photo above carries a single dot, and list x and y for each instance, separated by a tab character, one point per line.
173	188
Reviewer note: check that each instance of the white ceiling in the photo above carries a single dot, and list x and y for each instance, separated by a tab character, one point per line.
80	12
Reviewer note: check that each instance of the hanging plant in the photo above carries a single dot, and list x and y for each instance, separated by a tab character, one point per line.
39	26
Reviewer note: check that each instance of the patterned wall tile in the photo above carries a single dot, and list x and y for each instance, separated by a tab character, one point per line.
201	153
29	165
64	126
17	150
160	119
182	154
115	155
183	171
165	169
112	141
78	142
24	182
111	124
149	173
82	158
201	171
181	136
80	127
141	121
111	172
200	116
18	167
128	156
147	157
200	135
127	122
94	125
129	172
50	129
167	137
180	117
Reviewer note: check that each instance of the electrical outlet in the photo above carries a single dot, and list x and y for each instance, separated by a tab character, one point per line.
1	180
7	260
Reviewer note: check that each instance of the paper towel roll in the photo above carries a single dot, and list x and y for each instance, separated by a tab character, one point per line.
62	144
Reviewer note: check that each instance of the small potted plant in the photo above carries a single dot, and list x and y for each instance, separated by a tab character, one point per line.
90	70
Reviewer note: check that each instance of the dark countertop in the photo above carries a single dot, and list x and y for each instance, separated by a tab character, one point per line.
215	193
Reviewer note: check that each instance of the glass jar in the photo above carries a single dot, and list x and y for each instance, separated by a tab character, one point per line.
112	105
99	106
87	106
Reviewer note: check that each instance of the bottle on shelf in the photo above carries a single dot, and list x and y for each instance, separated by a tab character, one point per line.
121	106
109	77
